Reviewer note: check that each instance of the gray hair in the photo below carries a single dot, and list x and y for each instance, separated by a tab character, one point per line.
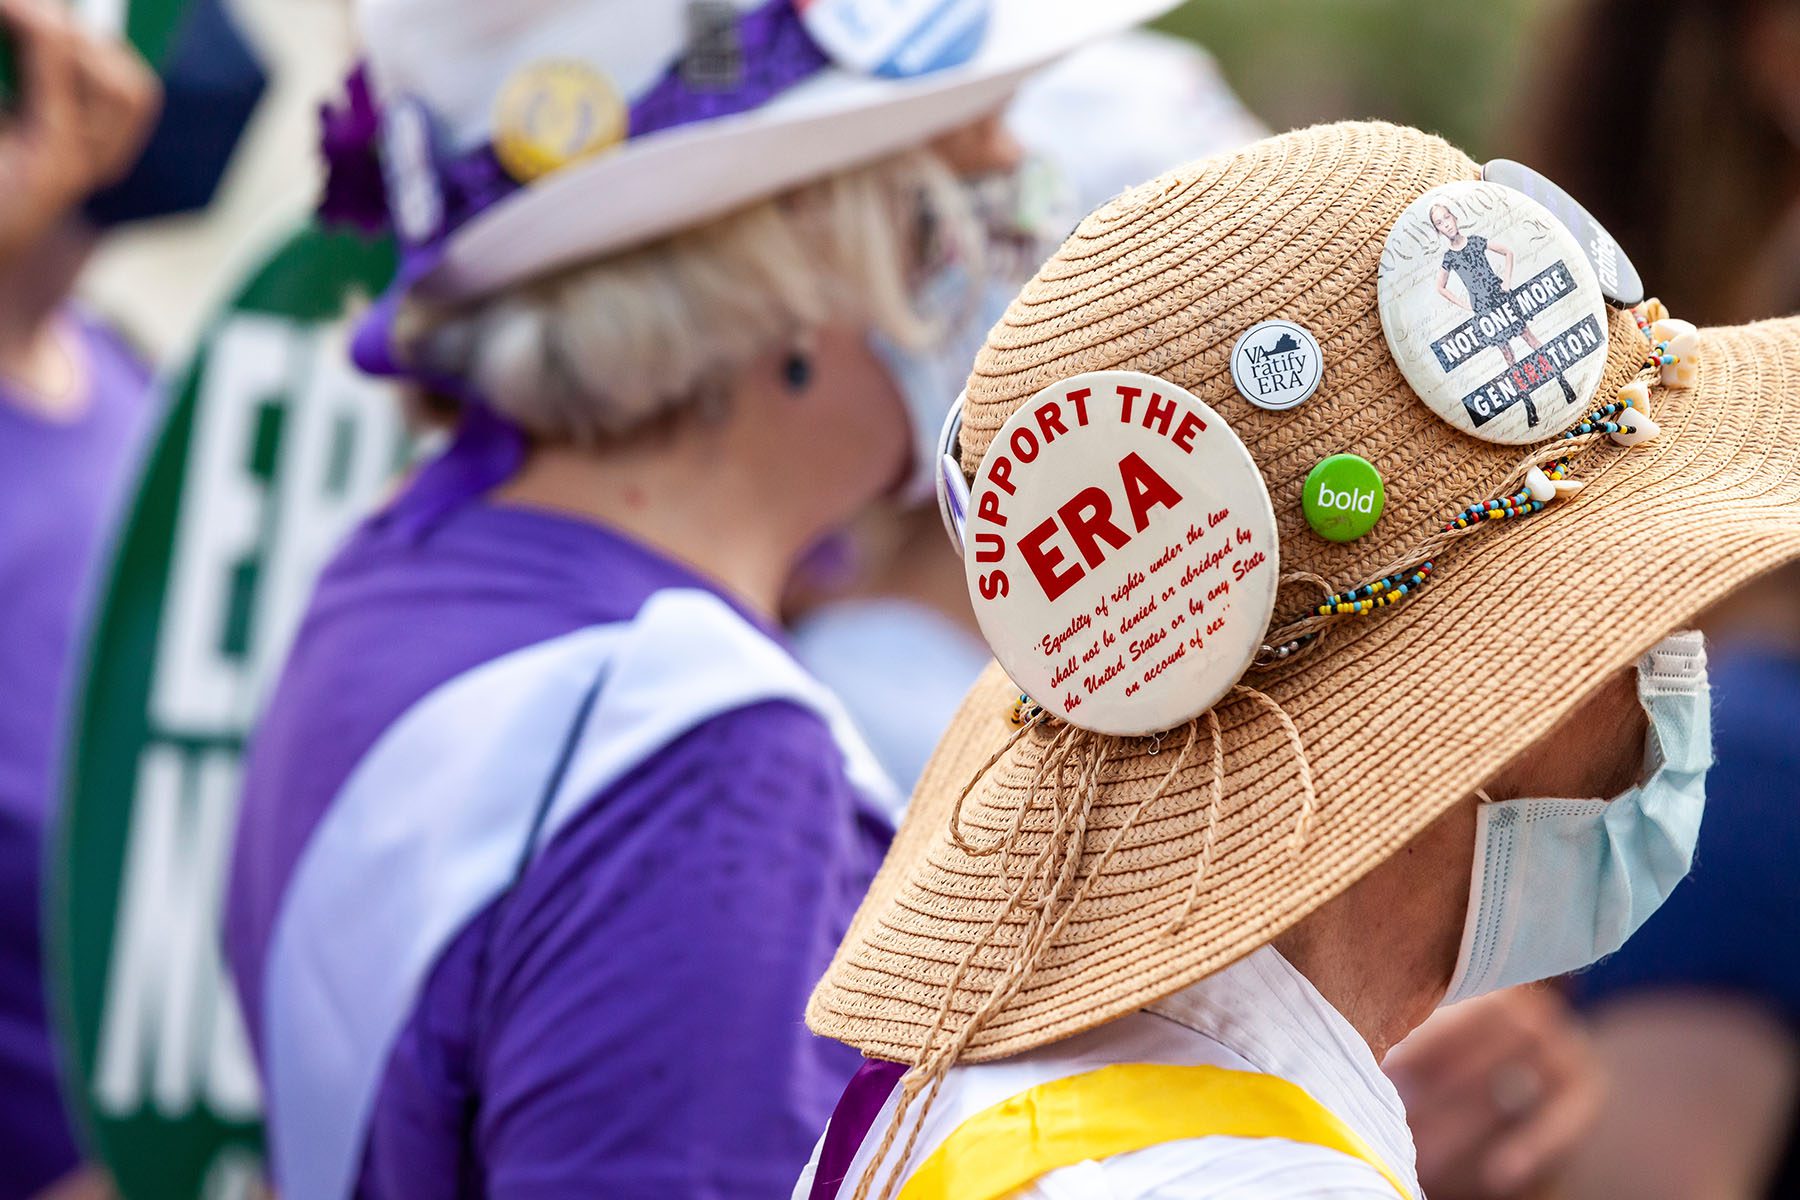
610	346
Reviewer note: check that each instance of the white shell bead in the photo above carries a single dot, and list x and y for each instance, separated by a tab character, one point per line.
1670	328
1637	394
1636	427
1684	343
1567	487
1539	485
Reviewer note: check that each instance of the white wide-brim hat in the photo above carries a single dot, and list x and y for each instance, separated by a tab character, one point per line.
452	63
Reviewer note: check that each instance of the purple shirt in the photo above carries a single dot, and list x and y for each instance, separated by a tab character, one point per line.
626	1021
60	482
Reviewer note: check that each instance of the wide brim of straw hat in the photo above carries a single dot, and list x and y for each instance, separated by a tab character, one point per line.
1398	717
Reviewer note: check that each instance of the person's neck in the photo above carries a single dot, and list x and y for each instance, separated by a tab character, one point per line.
1382	1003
688	499
1382	952
33	290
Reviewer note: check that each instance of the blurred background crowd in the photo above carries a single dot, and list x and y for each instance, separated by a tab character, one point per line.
1671	1070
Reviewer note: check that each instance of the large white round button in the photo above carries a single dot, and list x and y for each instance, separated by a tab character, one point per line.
1493	312
1121	552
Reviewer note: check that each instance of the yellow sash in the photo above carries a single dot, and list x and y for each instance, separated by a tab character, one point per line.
1118	1109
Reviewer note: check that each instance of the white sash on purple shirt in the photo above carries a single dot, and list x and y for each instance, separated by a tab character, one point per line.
430	826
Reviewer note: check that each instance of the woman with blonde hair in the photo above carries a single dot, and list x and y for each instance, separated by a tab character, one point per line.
545	836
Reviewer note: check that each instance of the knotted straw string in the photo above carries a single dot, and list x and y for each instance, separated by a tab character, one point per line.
1038	719
1216	787
1309	796
1064	851
1216	792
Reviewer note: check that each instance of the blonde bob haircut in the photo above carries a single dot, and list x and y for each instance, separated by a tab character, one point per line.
608	347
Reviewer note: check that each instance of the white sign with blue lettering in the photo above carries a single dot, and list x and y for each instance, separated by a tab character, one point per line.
896	38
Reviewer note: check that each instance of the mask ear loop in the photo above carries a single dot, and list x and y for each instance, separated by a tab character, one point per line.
952	486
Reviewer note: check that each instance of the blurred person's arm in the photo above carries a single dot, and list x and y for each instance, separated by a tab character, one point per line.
1500	1091
84	107
1702	1105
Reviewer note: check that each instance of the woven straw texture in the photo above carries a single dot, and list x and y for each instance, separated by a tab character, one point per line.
1401	714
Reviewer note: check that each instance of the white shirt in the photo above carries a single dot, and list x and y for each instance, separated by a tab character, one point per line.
1260	1014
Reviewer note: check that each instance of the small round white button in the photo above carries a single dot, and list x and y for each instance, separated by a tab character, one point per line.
1277	364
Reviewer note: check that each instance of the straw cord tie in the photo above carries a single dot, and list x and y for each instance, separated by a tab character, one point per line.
1056	867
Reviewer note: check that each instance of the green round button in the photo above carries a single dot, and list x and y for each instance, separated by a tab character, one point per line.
1343	497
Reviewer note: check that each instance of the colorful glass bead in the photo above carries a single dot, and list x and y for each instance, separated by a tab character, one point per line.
1023	710
1390	589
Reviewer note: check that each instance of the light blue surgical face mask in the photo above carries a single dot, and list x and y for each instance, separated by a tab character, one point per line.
929	379
1023	215
1560	884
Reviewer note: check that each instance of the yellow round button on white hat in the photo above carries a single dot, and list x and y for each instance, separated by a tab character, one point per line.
1277	364
553	113
1121	552
1493	312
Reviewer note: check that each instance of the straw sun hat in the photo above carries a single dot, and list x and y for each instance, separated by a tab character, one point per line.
1019	914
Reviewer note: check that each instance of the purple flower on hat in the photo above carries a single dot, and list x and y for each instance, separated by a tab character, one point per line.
349	132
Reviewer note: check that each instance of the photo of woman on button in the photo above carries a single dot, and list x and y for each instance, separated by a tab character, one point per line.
1487	291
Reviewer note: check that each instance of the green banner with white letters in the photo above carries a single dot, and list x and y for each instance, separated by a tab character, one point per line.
272	445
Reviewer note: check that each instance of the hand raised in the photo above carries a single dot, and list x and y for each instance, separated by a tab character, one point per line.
85	106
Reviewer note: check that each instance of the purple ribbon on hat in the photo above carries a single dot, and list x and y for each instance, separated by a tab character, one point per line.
774	52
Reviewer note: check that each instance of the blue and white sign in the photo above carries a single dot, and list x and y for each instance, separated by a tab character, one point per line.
896	38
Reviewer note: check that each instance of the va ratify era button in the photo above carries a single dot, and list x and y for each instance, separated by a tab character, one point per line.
1343	497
